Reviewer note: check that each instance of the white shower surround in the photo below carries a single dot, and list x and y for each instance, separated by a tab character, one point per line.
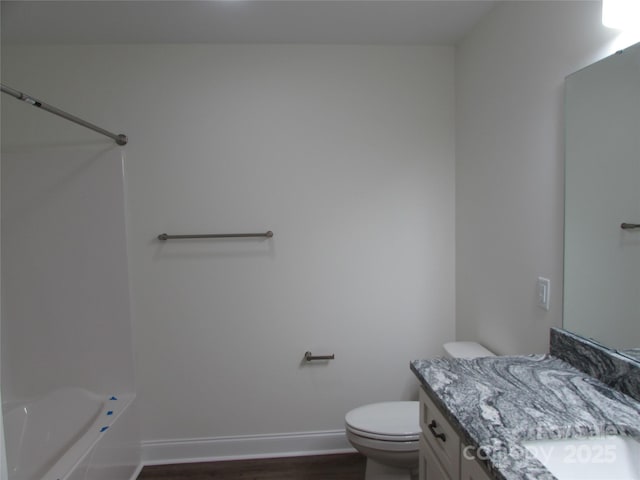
66	327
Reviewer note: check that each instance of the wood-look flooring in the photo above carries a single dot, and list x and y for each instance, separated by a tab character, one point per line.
321	467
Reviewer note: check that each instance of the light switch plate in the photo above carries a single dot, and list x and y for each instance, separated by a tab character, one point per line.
543	290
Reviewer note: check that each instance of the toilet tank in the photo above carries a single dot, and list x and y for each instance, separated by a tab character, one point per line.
465	350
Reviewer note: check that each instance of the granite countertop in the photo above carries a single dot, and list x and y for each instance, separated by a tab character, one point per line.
497	402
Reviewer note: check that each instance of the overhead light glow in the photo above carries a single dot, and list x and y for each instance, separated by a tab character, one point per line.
621	14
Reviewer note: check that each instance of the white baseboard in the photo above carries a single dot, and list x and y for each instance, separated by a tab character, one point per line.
162	452
136	472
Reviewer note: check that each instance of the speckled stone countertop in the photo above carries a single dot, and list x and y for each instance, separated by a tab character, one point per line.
497	402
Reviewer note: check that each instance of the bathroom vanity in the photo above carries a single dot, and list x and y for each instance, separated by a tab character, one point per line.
442	454
476	414
573	414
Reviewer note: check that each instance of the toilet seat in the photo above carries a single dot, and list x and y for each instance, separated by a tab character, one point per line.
387	421
385	438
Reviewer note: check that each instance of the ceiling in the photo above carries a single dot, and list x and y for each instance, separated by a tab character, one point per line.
393	22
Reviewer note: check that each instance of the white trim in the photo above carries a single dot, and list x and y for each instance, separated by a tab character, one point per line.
137	471
162	452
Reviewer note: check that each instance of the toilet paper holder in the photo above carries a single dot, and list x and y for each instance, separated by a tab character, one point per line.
309	357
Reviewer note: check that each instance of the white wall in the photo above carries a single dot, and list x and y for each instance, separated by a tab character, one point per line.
345	152
509	165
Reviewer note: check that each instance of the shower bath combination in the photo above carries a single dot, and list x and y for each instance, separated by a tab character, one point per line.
68	393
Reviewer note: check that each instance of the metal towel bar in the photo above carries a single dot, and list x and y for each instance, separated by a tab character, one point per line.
164	236
629	226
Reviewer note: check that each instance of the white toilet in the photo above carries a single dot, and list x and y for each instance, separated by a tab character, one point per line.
388	433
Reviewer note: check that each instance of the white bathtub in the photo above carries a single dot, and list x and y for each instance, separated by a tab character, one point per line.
72	434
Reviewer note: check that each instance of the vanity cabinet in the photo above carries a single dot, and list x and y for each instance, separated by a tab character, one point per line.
470	469
430	467
441	451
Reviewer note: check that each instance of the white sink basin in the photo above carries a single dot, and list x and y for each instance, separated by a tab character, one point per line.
608	457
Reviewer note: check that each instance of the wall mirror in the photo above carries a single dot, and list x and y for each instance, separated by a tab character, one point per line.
602	202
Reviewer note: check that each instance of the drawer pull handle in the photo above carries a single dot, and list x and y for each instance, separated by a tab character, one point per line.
432	426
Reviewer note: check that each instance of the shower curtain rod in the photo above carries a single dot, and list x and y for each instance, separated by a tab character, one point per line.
119	138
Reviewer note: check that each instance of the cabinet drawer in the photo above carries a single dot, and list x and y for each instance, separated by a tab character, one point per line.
440	436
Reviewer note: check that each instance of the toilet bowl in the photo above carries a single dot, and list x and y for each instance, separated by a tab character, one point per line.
388	433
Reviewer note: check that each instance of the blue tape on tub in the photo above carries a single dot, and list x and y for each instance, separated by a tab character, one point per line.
113	398
103	429
110	412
